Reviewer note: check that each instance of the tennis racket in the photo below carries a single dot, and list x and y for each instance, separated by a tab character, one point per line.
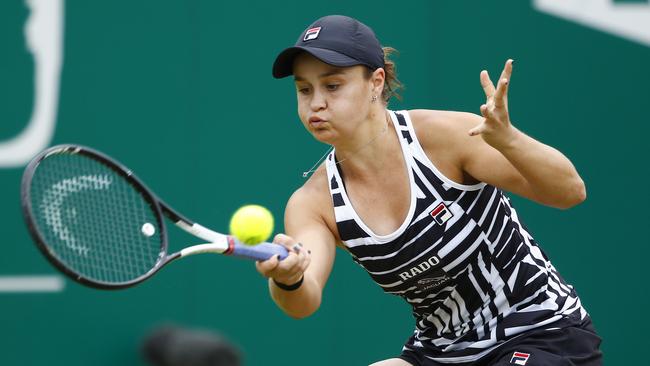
96	222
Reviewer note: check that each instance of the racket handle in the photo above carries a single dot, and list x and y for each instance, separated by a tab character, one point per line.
260	252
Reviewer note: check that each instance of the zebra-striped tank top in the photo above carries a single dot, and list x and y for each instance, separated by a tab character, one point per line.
462	259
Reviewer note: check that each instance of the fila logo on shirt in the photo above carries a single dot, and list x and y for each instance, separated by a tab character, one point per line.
311	33
519	358
441	214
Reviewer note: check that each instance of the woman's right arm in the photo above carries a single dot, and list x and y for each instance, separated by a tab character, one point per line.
313	259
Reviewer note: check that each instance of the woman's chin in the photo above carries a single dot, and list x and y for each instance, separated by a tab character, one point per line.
325	136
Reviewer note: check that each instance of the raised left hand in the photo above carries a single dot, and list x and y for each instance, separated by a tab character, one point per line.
496	128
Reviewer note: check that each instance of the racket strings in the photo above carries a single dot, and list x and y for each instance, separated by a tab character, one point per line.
92	219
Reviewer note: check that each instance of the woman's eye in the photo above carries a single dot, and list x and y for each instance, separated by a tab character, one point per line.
303	90
332	87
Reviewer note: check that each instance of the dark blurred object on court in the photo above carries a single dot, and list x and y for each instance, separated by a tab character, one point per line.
172	345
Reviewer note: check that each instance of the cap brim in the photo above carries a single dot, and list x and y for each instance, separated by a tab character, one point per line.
283	65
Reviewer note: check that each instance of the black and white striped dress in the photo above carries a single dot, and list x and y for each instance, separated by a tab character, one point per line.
462	258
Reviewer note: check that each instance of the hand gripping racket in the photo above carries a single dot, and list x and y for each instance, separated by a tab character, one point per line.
94	220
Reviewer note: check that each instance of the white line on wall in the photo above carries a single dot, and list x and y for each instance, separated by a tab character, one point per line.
52	283
627	20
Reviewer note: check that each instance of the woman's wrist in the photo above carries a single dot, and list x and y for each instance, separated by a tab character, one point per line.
292	286
511	140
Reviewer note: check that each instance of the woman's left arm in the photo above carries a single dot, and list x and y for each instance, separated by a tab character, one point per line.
545	175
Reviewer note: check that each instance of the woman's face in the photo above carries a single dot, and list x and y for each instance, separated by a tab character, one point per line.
332	101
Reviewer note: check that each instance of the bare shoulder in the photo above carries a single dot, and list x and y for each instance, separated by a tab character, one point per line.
442	128
439	116
444	137
312	203
313	193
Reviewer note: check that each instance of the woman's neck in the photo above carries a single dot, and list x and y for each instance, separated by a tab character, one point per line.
370	150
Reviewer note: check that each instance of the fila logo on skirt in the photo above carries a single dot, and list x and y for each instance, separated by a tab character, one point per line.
441	214
519	358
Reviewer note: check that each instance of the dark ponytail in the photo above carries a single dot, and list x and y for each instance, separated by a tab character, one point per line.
391	83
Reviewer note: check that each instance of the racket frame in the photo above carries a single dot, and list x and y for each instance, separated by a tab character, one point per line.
39	239
218	243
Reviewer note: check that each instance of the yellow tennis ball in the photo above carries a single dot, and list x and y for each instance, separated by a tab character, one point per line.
251	224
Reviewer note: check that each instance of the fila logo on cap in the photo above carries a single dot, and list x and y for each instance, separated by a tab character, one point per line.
311	33
519	358
441	214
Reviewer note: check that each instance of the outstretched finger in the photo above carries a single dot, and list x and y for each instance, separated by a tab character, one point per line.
484	110
502	91
477	130
487	85
507	69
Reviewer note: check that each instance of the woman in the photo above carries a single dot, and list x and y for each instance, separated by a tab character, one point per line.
416	198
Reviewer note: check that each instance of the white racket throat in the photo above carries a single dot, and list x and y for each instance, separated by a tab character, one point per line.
218	248
203	232
218	242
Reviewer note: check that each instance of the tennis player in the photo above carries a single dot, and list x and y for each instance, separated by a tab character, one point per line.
417	199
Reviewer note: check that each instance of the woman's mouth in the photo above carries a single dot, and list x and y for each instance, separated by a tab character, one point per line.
316	122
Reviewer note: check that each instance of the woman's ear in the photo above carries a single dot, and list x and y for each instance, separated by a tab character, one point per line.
378	78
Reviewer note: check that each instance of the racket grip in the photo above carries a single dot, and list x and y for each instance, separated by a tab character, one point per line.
260	252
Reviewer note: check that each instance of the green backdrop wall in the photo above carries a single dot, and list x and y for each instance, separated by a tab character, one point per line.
181	92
